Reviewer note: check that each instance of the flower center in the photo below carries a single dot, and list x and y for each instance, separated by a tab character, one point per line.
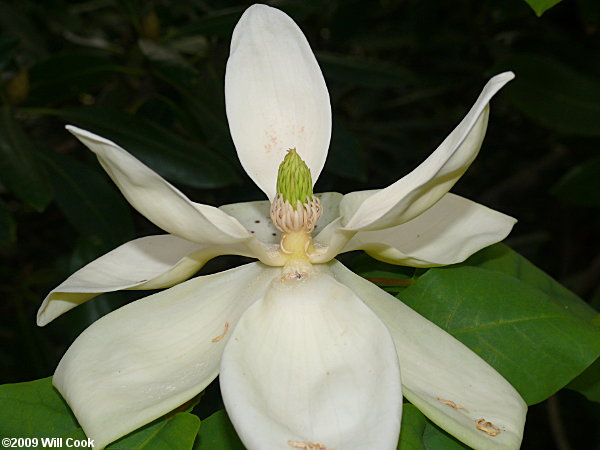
295	210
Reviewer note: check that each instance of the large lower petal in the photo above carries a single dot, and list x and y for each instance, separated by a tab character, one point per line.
275	95
447	233
424	186
151	262
150	356
311	364
158	200
442	377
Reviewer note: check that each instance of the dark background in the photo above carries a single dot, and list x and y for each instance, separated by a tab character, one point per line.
401	75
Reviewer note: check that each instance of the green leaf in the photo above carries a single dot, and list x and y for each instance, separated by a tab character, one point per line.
174	432
411	431
90	201
540	6
217	433
8	226
66	75
173	157
363	71
517	328
501	258
419	433
588	383
553	94
36	410
581	185
19	171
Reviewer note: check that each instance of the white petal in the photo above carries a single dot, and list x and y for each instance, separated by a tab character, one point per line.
447	233
255	216
150	356
310	363
424	186
438	369
159	201
275	95
151	262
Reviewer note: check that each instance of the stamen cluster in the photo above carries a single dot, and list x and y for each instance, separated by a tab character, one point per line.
301	217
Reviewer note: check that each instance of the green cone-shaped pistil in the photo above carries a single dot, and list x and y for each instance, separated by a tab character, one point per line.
293	179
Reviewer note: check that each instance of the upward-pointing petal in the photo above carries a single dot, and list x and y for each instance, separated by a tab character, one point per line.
424	186
159	201
276	96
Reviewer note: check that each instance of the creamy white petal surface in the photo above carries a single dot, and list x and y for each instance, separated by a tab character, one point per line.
157	260
275	95
424	186
159	201
152	262
150	356
438	369
310	363
447	233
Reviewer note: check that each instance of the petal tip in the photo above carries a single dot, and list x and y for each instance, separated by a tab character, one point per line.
503	78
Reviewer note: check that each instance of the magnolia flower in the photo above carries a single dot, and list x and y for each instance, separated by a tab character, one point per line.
309	354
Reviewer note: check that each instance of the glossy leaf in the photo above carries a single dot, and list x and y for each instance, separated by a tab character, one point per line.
412	428
581	185
588	383
173	432
217	433
554	95
36	410
90	201
517	328
19	170
501	258
173	157
540	6
419	433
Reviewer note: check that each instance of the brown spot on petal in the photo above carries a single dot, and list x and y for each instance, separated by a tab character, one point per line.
307	445
451	404
222	335
487	427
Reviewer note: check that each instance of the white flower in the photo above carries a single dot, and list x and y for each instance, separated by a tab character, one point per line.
308	352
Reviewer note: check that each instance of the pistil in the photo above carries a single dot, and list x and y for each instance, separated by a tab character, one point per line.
295	210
